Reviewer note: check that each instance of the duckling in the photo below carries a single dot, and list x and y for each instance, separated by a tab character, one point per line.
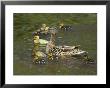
65	27
44	29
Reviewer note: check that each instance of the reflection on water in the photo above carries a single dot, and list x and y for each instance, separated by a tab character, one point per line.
84	35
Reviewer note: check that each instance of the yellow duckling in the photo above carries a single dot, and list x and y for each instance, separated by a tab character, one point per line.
44	27
61	25
36	39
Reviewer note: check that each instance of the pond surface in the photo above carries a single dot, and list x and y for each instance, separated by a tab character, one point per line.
84	35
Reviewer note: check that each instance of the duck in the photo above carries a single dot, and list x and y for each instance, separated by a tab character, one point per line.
65	27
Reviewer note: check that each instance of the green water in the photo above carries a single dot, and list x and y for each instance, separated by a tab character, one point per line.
82	34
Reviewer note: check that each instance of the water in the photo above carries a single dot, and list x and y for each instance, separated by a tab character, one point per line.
84	35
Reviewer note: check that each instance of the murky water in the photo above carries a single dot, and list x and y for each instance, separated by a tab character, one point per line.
84	35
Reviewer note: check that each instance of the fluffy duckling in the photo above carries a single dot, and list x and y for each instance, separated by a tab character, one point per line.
65	27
